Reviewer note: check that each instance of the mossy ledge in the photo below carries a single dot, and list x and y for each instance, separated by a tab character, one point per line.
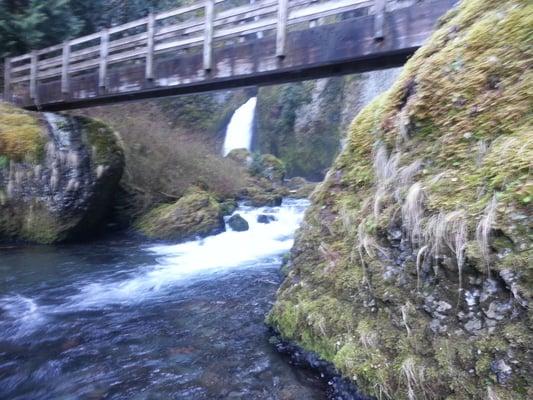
412	271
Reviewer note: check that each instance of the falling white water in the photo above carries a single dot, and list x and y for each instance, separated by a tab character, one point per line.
240	128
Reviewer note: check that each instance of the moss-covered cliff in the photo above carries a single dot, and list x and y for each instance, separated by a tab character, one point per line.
412	272
303	123
58	175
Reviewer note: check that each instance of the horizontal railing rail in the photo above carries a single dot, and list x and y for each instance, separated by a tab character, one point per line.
201	27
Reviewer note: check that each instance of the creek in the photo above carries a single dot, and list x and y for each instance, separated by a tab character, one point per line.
119	319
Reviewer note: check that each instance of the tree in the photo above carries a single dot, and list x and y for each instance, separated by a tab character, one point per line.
30	24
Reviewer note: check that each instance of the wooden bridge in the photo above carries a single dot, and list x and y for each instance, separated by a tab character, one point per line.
216	44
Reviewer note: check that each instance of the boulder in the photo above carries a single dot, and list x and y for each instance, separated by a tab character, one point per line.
238	223
299	188
58	175
240	156
228	206
269	167
265	218
196	214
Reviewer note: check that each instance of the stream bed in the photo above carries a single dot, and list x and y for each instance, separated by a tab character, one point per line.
118	319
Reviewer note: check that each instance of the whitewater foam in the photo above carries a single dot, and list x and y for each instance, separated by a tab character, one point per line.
179	263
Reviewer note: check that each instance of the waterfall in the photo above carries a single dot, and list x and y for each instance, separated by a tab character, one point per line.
240	128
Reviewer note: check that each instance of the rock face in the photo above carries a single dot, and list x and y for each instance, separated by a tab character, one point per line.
412	270
238	223
58	175
196	214
303	123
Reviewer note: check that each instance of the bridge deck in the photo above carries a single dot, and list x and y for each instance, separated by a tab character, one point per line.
208	46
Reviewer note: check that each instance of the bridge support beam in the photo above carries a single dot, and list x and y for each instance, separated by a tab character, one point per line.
65	78
7	79
104	52
281	33
150	30
208	34
379	19
34	69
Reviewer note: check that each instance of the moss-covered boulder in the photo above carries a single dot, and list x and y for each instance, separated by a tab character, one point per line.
58	175
299	187
412	272
241	156
269	167
196	214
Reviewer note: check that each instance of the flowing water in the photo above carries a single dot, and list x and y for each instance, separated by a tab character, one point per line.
240	128
120	320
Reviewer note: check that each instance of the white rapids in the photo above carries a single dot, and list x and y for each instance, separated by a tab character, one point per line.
200	258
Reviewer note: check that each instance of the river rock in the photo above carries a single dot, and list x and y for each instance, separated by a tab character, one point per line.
58	175
265	218
238	223
196	214
241	156
299	187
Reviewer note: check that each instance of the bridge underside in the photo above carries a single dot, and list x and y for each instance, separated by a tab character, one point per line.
340	48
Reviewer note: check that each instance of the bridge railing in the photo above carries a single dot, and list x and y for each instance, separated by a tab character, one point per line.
200	27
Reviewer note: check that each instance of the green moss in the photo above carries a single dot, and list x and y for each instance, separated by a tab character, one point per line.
462	108
197	213
306	151
104	142
21	135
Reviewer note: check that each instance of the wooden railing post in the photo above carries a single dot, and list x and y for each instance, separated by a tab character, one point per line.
281	33
150	31
379	19
34	68
208	34
65	78
104	52
7	79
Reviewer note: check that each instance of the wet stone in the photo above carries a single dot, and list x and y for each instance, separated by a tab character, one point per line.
238	223
265	218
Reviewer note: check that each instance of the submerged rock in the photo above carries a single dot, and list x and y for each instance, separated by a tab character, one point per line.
265	218
196	214
58	175
238	223
412	270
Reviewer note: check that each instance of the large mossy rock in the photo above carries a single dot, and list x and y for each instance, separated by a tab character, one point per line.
412	272
196	214
58	175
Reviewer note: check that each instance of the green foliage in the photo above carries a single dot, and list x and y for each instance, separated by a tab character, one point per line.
34	24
